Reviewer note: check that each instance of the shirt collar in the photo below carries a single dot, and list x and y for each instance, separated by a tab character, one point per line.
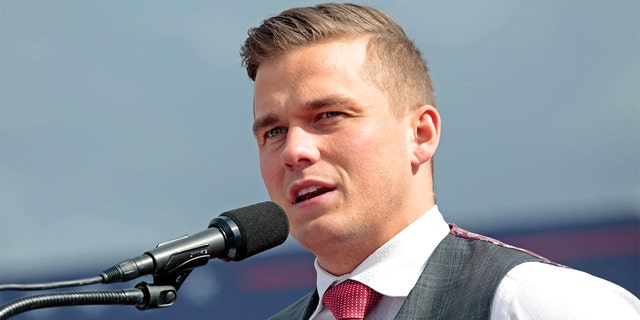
395	267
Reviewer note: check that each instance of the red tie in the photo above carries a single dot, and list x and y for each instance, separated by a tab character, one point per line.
350	300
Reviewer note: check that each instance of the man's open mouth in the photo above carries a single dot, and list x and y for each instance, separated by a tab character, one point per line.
310	192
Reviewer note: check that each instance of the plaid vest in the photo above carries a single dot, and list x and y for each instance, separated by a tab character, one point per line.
458	282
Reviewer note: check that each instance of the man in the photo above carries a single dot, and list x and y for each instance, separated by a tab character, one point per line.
347	130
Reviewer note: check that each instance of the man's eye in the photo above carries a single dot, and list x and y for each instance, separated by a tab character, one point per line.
274	132
329	114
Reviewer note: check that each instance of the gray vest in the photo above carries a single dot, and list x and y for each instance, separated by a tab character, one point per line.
459	281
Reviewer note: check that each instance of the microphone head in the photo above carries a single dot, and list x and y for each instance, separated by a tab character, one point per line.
259	227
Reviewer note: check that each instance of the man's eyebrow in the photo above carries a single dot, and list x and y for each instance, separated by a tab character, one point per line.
264	121
271	118
325	102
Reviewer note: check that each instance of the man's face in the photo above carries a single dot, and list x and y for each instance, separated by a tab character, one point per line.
332	153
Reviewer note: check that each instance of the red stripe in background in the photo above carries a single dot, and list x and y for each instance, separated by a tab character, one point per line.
583	244
284	274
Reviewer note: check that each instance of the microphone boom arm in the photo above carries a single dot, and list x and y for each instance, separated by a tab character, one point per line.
160	294
59	299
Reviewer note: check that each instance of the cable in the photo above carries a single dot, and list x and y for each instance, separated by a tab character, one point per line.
51	285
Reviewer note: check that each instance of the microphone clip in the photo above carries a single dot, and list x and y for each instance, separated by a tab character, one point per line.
163	291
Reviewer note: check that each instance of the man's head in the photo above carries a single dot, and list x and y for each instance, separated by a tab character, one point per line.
394	63
345	148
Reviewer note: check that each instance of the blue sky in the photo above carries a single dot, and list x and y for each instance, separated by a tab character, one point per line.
125	124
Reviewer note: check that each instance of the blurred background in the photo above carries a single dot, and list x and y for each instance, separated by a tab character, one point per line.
126	124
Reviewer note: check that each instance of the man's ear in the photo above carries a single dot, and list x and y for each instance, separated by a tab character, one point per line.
425	126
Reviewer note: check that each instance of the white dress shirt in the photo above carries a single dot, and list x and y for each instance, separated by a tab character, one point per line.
531	290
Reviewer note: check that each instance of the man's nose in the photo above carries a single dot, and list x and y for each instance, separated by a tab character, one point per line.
300	149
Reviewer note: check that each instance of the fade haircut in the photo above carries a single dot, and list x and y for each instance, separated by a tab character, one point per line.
394	64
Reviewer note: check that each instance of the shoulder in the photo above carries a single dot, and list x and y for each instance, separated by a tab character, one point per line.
535	290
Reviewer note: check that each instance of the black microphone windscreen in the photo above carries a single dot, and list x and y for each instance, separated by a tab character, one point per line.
262	226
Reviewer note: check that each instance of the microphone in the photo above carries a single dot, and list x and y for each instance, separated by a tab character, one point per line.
234	235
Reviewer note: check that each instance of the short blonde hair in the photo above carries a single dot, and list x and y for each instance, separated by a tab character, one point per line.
394	63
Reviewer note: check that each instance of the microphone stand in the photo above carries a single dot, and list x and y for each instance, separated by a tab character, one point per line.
159	294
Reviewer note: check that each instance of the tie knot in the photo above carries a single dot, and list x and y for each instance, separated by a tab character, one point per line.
350	300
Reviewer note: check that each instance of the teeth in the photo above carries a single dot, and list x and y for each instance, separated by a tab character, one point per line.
307	190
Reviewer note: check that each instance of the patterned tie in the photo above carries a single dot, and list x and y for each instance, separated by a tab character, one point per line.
350	300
